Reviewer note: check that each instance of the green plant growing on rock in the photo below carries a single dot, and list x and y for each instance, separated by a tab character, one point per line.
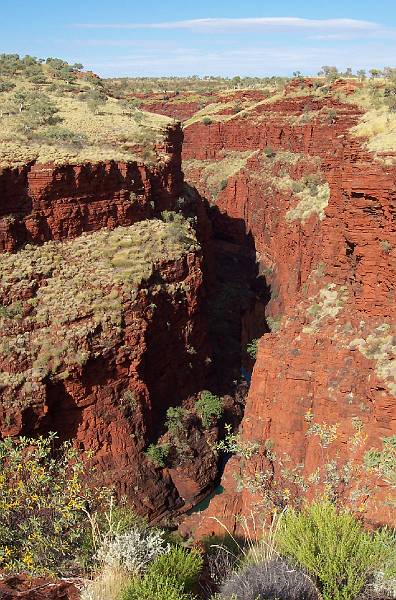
158	454
174	419
274	323
233	444
269	152
252	347
386	246
209	408
383	462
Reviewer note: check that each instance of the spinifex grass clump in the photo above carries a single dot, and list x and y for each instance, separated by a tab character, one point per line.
274	579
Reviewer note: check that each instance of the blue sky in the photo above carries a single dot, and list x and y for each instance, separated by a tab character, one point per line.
204	37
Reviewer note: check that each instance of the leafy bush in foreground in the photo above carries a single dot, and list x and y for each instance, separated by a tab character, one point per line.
183	565
42	505
333	546
154	588
274	579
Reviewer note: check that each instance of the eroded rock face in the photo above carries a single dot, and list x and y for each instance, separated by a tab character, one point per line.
97	346
332	269
56	202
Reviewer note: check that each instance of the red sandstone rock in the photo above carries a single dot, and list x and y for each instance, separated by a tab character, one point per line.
22	587
303	368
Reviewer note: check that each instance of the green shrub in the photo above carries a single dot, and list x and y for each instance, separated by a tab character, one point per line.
183	565
154	588
269	152
6	86
251	348
35	109
95	99
207	121
43	505
209	408
332	546
174	419
158	454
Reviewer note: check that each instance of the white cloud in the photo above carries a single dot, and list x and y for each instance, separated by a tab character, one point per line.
258	23
245	61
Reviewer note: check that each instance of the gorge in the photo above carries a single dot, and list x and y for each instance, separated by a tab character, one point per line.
128	288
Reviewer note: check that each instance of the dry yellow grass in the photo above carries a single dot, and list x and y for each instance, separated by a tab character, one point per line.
110	135
378	126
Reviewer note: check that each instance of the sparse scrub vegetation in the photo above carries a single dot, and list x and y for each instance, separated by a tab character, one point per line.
313	199
215	174
380	346
52	112
326	304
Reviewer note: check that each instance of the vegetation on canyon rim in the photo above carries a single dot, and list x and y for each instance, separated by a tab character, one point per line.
53	112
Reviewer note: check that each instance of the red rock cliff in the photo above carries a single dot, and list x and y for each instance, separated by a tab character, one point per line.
332	273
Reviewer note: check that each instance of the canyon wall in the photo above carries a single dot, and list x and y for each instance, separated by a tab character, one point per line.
56	202
103	325
328	366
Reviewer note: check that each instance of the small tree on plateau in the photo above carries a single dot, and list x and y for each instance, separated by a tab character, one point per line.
95	100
